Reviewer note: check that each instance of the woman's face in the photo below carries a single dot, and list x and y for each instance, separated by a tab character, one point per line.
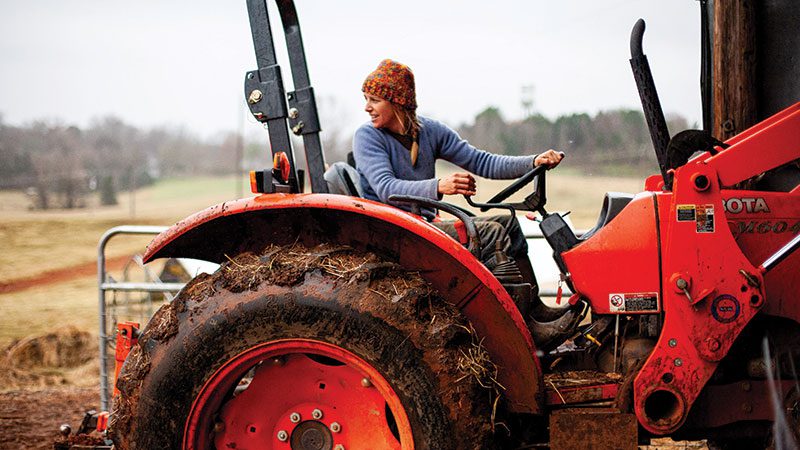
381	112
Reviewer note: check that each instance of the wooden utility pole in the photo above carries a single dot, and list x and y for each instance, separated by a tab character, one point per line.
734	67
756	61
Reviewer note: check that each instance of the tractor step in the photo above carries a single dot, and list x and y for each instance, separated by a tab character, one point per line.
581	387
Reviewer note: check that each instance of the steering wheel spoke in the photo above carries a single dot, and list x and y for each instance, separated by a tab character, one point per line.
521	182
533	202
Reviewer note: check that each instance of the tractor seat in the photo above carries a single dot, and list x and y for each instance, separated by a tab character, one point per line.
613	203
343	179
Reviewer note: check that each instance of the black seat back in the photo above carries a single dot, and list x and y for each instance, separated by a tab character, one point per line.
613	203
343	179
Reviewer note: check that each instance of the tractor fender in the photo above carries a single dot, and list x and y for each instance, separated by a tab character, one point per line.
249	224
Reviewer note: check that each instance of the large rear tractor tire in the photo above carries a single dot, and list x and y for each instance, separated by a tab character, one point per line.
296	348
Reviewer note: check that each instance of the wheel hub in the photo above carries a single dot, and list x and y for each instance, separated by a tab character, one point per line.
311	435
300	395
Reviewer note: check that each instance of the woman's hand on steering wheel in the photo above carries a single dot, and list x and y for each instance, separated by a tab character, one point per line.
550	158
457	183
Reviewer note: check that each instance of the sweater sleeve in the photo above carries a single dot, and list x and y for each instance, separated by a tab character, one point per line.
372	155
480	162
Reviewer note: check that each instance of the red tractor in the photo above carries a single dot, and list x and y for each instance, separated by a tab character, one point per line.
337	323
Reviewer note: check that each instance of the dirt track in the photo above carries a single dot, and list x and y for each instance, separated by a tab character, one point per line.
61	275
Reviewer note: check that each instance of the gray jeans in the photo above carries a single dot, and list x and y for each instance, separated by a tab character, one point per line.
490	230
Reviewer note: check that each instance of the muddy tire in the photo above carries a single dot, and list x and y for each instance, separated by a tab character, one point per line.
284	328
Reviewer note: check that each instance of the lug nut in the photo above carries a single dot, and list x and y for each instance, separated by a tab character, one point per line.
294	417
678	362
317	414
335	427
673	342
366	382
283	436
219	427
338	447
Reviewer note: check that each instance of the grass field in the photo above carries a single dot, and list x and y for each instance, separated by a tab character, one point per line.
35	242
38	241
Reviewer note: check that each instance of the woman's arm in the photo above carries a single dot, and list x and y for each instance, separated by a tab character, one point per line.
372	154
482	163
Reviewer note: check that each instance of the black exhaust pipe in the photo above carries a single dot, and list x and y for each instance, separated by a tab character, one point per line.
651	106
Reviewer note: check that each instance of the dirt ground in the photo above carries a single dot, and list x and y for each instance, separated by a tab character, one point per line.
30	418
46	381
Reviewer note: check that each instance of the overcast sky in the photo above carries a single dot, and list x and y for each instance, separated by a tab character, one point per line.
182	62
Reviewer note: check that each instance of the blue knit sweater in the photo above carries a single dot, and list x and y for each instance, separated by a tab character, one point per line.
385	165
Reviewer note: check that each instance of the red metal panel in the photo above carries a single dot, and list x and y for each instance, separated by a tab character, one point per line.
442	261
654	183
620	259
701	321
127	337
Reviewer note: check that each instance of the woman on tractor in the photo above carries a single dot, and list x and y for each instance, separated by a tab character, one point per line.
396	152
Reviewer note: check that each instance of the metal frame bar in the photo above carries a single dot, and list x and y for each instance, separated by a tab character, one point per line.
104	286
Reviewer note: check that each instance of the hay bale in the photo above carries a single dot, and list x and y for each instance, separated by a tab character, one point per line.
68	348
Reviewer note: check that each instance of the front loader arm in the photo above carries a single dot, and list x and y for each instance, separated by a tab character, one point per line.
711	289
765	146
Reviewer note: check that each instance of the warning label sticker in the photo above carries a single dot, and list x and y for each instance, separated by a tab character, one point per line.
640	302
686	213
705	218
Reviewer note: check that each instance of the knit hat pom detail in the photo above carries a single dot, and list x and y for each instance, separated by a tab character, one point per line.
394	82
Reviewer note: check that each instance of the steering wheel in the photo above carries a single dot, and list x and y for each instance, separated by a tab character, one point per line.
533	202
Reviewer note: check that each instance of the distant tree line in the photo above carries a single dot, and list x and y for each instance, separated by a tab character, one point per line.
61	165
613	142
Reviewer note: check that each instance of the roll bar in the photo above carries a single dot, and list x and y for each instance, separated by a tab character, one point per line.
266	97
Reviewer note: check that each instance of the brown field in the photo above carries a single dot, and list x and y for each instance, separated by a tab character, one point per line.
48	283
